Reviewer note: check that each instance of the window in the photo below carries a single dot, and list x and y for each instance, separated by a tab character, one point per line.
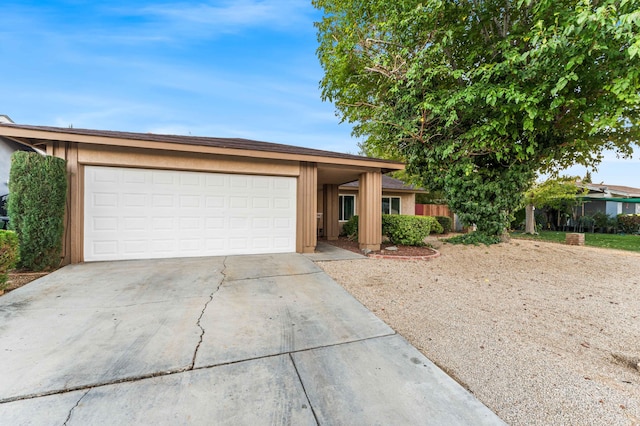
347	207
390	205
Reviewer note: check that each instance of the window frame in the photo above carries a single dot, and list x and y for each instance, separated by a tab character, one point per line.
341	209
390	198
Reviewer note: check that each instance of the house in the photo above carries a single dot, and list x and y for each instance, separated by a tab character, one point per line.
143	195
7	147
609	199
397	198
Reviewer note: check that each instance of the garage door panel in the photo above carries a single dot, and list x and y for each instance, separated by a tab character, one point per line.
137	214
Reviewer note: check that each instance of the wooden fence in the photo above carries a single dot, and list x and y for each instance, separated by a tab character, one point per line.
433	210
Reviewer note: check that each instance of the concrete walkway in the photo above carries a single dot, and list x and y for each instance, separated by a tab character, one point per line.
230	340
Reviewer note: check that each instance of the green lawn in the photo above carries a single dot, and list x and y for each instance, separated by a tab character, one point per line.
620	242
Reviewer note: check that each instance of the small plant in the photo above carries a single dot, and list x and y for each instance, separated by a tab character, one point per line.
407	230
446	223
350	228
601	221
9	255
475	238
541	221
586	223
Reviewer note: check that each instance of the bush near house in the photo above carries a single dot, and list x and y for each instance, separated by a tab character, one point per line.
407	230
401	229
350	228
436	226
629	223
446	223
38	187
9	255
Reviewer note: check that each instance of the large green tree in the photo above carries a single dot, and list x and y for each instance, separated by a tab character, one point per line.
478	96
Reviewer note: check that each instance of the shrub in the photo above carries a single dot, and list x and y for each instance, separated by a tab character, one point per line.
436	227
38	187
9	255
475	238
629	223
601	220
350	228
407	230
586	223
446	223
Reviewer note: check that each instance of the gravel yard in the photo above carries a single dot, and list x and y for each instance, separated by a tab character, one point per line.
541	333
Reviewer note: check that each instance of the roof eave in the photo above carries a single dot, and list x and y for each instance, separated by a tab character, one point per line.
38	137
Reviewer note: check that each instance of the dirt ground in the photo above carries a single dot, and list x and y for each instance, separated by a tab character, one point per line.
541	333
20	278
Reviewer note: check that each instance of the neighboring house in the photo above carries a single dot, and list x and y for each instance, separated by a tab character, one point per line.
610	199
143	195
397	198
7	147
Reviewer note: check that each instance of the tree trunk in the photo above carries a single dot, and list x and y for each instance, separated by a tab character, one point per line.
530	221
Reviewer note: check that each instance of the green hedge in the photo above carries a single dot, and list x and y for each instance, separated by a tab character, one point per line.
407	230
9	255
38	191
629	223
446	223
401	229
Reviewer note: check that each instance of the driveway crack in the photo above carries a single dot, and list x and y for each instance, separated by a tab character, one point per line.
304	389
198	323
74	407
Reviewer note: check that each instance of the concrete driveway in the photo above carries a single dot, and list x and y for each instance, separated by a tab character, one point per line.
224	340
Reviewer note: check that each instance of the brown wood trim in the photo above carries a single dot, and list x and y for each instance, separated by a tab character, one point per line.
93	155
37	137
307	207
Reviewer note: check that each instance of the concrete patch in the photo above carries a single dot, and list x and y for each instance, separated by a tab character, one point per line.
100	322
265	391
268	265
385	381
326	252
255	318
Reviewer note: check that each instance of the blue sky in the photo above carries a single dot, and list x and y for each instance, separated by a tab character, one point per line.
238	68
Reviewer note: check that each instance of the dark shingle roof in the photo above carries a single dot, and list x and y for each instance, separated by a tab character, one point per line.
231	143
389	183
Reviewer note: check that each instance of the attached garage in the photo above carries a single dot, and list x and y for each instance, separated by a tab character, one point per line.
144	213
143	195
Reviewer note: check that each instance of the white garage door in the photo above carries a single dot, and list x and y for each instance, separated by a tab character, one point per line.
143	214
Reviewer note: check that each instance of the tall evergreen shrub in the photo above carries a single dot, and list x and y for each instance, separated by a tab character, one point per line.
37	197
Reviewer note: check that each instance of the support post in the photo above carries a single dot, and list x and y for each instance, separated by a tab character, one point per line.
370	211
307	208
330	213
